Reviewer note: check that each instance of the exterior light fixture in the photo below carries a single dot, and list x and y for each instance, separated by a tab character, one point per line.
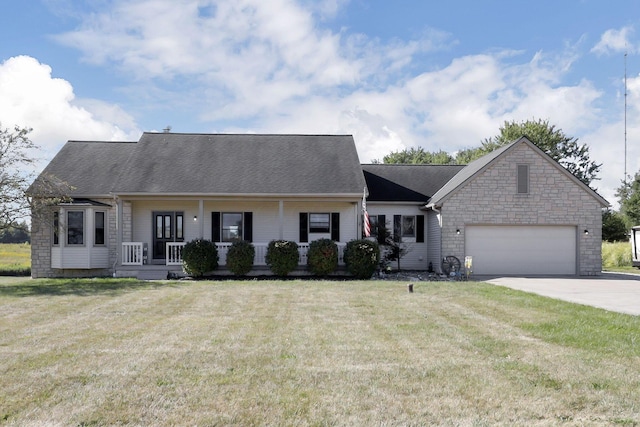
586	232
195	217
457	231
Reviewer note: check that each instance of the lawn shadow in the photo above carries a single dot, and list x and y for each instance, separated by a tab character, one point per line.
78	287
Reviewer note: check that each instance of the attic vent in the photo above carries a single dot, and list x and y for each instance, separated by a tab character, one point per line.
523	179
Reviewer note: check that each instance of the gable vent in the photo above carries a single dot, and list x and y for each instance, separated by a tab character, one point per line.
523	179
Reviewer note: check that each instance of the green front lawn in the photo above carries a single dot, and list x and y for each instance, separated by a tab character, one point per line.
310	353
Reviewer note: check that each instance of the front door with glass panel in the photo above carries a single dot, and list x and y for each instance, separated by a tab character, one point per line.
167	227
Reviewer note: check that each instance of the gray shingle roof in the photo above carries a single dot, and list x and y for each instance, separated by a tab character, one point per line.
406	183
89	167
171	163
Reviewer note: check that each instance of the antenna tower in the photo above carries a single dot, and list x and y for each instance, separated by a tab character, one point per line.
625	118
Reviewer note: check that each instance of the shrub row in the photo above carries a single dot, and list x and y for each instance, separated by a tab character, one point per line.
361	257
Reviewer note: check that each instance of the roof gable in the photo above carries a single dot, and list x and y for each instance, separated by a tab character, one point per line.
476	167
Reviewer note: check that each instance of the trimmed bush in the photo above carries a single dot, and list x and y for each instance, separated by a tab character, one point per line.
240	257
322	257
199	257
282	256
361	258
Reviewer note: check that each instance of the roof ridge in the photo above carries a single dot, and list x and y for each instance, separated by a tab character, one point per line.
411	164
245	134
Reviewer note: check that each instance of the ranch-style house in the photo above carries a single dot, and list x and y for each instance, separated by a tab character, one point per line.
132	206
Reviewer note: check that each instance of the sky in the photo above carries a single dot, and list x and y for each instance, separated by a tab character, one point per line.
441	75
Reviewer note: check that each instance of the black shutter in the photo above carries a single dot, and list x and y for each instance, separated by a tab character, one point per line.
304	227
248	227
397	227
215	226
335	226
420	229
382	228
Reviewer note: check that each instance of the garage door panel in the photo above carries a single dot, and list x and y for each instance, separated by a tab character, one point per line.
522	250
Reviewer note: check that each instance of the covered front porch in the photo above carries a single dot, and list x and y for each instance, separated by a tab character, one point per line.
135	260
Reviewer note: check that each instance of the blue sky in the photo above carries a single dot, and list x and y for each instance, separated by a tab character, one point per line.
436	74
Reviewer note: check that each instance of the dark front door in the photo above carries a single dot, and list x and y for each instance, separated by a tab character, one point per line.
167	227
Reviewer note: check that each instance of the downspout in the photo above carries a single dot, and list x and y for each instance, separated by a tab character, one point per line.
437	268
118	204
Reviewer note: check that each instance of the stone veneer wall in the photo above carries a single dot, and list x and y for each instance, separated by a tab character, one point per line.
41	242
41	235
553	199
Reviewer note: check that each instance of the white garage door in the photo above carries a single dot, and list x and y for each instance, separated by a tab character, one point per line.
521	250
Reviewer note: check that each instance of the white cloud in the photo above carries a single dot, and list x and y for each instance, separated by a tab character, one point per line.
275	66
614	41
31	97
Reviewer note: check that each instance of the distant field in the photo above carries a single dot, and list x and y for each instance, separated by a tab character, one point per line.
15	259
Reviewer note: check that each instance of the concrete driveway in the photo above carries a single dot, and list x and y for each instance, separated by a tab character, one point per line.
611	291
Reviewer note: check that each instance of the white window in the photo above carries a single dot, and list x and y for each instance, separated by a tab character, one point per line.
231	226
56	228
75	228
99	228
373	222
319	223
408	226
523	179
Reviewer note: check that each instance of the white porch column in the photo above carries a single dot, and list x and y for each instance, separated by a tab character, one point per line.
118	232
281	218
201	217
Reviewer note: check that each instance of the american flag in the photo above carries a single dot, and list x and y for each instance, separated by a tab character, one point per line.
365	214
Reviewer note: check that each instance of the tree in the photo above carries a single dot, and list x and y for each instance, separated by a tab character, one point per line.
394	248
15	175
19	199
562	148
629	197
419	155
614	228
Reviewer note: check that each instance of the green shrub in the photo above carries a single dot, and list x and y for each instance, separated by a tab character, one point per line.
322	257
240	257
361	258
282	256
199	257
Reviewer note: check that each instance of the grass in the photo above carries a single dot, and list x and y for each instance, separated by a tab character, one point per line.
309	353
15	259
617	257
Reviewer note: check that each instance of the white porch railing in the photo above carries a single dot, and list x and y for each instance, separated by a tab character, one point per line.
132	253
174	253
